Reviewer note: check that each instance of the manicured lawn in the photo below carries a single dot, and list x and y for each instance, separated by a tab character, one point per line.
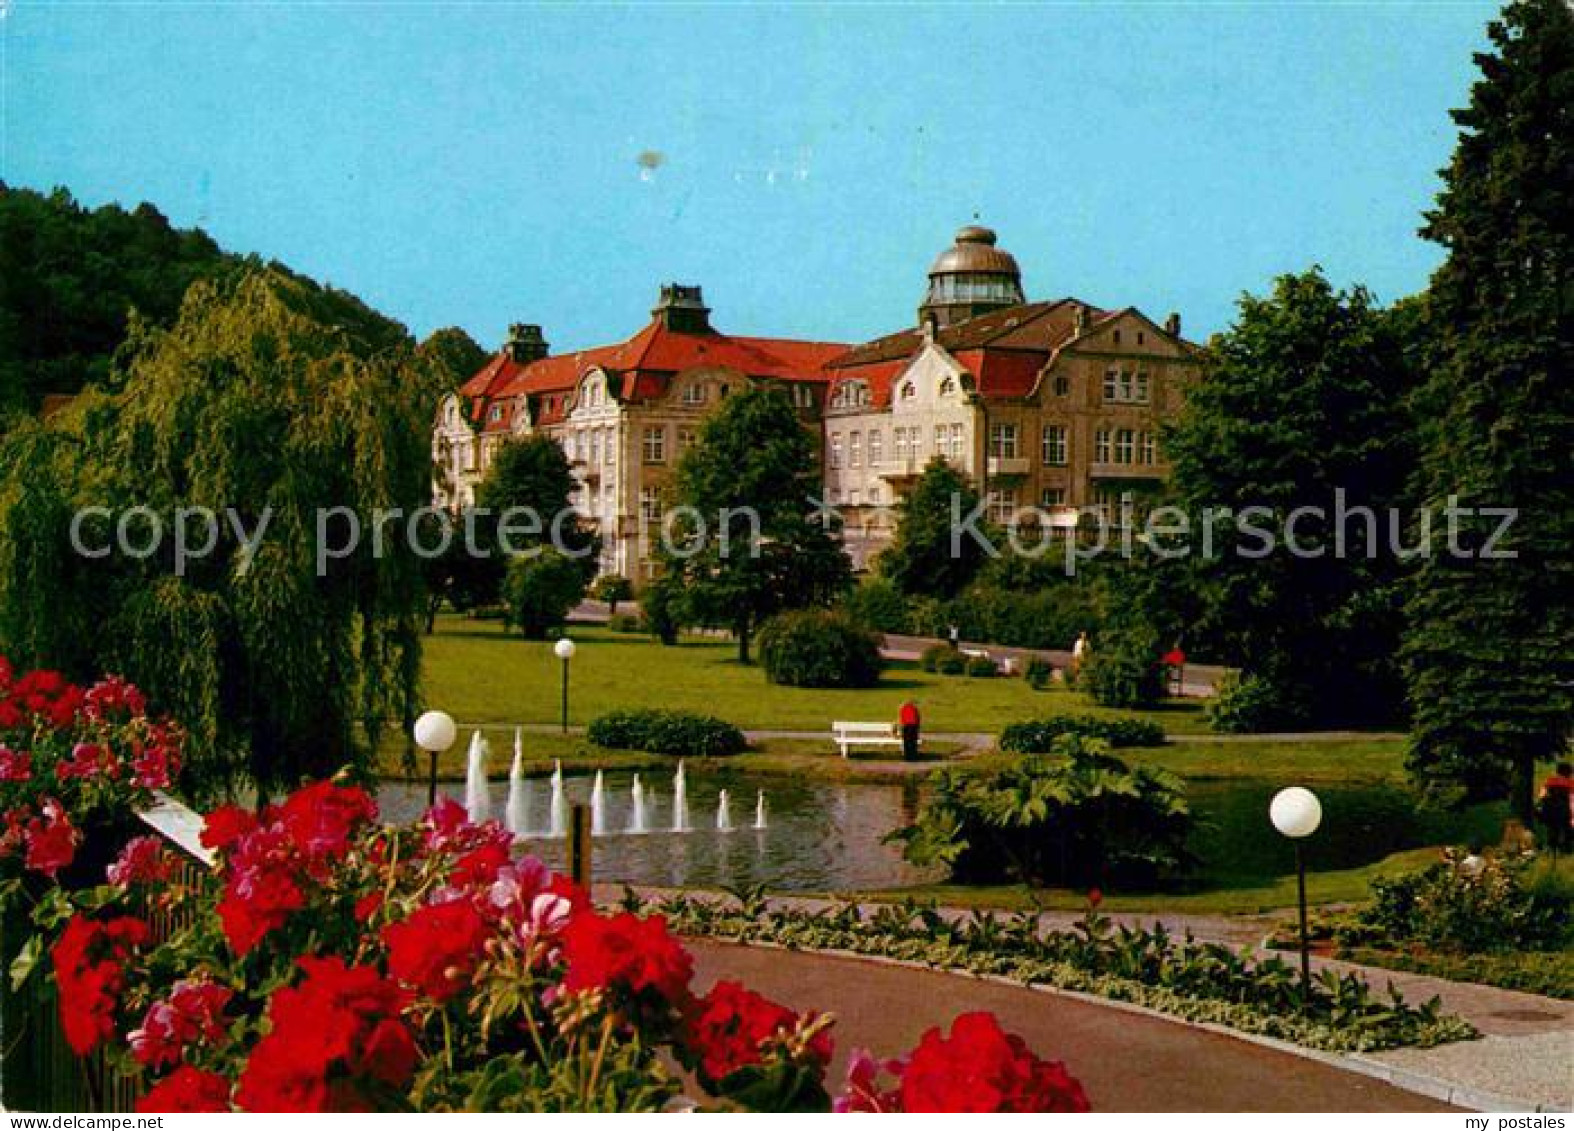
479	675
1372	824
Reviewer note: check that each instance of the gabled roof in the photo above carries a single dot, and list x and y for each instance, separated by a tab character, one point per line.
1004	350
642	366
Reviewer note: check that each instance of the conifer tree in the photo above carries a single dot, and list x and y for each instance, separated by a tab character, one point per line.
1490	643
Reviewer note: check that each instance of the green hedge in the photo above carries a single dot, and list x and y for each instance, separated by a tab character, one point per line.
682	734
1038	736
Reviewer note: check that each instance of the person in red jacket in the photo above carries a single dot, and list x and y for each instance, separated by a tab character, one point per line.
907	718
1555	807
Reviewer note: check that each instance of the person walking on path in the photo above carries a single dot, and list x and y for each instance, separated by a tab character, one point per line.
1080	651
1555	808
907	719
953	637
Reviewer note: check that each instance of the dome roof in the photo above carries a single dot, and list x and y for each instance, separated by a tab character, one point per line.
975	251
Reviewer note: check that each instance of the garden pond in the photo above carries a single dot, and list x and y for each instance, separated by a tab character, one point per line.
829	836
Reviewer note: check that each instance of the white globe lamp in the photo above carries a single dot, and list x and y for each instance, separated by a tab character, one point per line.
1297	813
434	732
564	650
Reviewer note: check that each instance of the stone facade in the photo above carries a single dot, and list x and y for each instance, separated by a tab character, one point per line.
1051	408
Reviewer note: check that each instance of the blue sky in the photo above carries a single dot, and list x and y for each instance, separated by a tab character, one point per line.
478	164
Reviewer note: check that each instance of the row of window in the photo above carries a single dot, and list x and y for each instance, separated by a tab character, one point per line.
1117	445
597	447
949	441
1124	445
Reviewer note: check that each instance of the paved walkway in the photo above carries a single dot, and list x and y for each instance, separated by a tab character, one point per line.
1524	1059
1126	1061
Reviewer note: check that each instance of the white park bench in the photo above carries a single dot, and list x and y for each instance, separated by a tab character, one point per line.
847	735
1007	665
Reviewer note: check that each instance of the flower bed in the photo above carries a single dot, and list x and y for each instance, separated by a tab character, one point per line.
331	963
341	965
1189	979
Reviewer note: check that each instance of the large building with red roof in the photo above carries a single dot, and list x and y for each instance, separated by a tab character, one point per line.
1051	408
623	413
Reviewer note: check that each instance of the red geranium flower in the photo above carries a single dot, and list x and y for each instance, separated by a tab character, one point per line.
625	952
51	840
194	1011
256	903
437	947
88	960
337	1028
112	696
15	765
226	825
728	1028
187	1089
981	1068
321	817
143	861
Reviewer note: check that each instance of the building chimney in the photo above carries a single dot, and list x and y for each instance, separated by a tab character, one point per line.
1172	325
525	343
682	309
1079	318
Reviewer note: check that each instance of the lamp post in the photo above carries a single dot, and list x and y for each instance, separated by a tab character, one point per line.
434	732
564	650
1296	813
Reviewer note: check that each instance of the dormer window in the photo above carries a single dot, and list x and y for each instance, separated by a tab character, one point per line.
694	394
495	414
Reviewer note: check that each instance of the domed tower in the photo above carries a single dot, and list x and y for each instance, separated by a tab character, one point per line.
970	278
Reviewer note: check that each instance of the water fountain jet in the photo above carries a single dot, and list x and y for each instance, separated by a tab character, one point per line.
680	801
559	825
637	822
759	810
724	812
598	806
478	801
516	815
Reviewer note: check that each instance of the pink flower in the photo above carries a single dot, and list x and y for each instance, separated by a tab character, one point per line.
194	1012
142	861
88	760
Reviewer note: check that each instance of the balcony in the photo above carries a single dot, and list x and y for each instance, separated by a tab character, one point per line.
1008	465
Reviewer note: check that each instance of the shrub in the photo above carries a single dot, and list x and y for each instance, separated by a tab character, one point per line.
1491	904
659	608
1048	618
612	588
1124	671
539	592
878	604
1040	735
1250	704
819	648
1078	816
626	623
951	662
1039	673
681	734
982	667
929	659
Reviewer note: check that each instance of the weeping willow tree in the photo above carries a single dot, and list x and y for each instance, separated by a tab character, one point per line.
270	402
